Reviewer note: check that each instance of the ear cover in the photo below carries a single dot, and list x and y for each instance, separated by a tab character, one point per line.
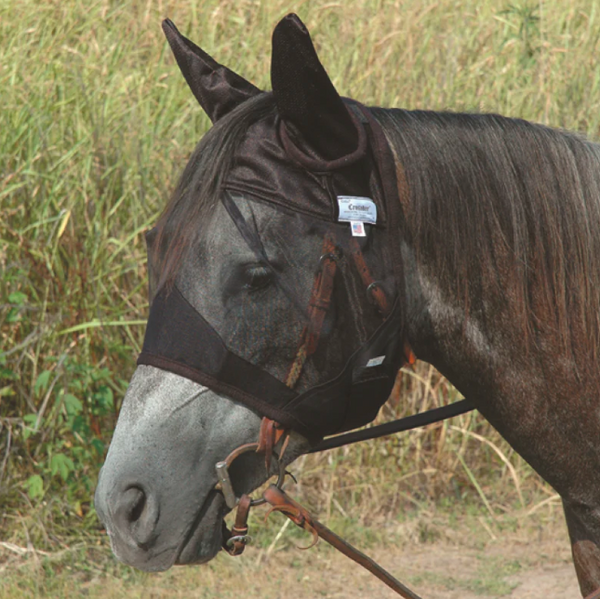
304	94
217	89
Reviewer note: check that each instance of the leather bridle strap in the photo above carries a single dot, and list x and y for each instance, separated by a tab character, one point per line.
375	292
281	502
397	426
318	306
271	434
320	302
234	541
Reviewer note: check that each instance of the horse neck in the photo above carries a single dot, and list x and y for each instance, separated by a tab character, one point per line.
441	332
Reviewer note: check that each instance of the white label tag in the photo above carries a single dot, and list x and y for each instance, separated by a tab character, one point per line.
375	361
353	208
358	229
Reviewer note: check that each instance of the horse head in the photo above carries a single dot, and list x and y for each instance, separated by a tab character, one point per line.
275	292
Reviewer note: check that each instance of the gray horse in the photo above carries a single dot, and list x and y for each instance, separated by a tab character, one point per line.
479	250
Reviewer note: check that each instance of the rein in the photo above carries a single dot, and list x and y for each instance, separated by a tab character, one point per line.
271	435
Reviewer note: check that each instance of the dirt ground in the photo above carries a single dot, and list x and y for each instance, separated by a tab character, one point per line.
470	559
507	568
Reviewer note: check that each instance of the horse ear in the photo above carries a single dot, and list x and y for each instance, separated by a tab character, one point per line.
304	94
217	89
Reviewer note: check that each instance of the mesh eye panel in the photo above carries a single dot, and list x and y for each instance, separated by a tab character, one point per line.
307	308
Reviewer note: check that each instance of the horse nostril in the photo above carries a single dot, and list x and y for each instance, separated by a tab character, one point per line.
136	499
138	513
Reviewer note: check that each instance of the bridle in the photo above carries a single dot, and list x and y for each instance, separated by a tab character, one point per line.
235	540
320	300
273	438
270	431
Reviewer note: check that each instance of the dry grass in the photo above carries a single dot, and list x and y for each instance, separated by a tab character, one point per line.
439	554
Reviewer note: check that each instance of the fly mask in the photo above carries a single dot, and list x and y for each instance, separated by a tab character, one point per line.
311	196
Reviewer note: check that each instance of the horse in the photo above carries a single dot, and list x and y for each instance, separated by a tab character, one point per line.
311	246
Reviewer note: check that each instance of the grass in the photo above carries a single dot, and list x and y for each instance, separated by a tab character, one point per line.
96	123
271	569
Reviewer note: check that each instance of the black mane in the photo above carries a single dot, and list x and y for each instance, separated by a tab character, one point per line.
504	208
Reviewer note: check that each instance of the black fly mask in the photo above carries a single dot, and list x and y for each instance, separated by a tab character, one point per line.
306	328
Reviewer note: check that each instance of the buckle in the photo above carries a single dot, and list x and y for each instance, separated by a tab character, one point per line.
270	435
243	539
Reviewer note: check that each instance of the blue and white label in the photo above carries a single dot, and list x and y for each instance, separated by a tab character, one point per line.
357	209
378	361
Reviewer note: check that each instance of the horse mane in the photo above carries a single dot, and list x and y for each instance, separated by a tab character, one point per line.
504	210
199	187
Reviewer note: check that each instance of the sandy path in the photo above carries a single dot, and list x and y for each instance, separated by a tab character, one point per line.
507	568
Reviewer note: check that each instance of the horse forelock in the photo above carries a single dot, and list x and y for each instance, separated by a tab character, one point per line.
503	210
196	196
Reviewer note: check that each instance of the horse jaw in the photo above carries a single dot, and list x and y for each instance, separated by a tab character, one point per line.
155	494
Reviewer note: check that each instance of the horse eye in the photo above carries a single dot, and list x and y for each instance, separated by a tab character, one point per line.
256	276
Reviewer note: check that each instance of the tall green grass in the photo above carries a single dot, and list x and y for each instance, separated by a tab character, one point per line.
95	125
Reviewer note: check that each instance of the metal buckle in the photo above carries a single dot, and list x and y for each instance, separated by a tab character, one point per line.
245	539
333	256
226	487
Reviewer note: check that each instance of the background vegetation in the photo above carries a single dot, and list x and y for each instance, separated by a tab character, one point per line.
95	125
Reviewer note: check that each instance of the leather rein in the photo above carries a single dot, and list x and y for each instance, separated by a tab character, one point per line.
272	435
236	539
